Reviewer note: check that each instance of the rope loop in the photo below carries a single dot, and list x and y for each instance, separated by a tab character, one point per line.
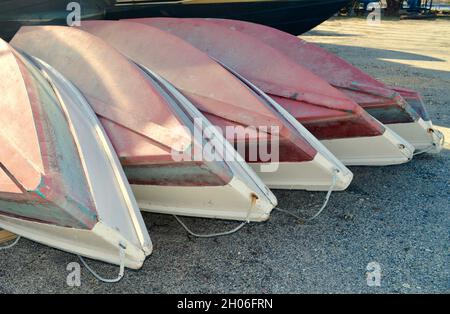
220	234
6	247
324	205
122	249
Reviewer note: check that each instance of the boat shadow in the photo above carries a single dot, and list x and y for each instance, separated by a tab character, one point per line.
316	32
387	58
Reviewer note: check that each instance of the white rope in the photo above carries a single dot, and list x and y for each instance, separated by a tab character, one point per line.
10	245
219	234
324	205
121	270
212	235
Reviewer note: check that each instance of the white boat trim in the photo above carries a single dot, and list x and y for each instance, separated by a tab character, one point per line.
102	168
100	243
325	159
382	150
314	175
238	166
419	135
232	202
244	192
119	219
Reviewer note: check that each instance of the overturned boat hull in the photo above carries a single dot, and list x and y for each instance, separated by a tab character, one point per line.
228	102
152	130
70	191
401	109
245	197
430	141
327	113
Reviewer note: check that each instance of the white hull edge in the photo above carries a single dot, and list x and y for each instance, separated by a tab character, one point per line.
314	175
232	201
327	161
382	150
239	166
418	134
116	207
100	243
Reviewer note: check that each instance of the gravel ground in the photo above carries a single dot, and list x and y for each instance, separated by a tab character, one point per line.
397	216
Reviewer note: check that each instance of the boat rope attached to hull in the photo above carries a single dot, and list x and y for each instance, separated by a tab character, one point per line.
324	205
6	247
220	234
122	249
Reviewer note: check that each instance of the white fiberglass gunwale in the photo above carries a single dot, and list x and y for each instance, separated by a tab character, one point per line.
325	163
255	200
120	223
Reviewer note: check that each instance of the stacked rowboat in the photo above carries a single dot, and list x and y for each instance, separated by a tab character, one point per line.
189	117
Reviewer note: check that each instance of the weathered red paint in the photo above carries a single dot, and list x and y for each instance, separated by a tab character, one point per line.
143	128
32	168
272	71
368	92
223	99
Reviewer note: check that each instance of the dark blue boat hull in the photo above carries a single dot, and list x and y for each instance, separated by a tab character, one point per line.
295	16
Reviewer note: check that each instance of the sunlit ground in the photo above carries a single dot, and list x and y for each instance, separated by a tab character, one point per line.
421	44
409	53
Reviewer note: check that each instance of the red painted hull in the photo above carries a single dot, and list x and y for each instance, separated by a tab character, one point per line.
221	97
385	103
38	153
143	127
324	110
61	183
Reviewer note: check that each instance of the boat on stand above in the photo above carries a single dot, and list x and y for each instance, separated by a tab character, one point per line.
293	16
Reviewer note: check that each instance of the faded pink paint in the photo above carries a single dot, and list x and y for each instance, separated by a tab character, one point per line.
355	83
7	183
30	181
273	72
143	126
223	98
19	145
135	116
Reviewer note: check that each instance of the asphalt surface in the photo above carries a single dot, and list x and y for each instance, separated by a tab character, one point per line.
397	216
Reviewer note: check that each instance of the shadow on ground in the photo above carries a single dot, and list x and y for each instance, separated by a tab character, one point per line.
396	216
380	54
327	33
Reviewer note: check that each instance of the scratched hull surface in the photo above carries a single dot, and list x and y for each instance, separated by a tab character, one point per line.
152	134
326	112
60	182
221	97
390	105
